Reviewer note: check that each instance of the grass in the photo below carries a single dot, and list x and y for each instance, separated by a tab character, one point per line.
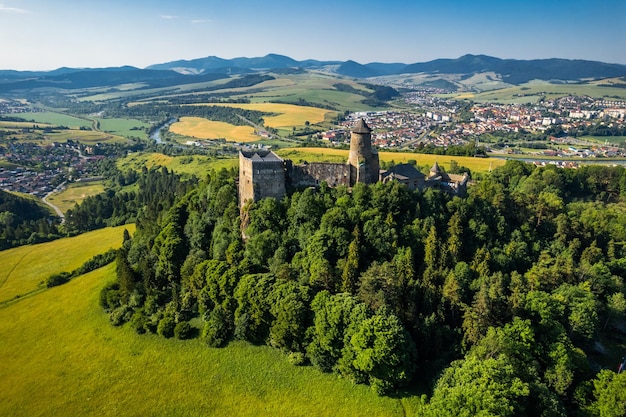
60	356
124	127
75	193
533	91
340	155
88	137
198	165
25	267
56	119
614	140
200	128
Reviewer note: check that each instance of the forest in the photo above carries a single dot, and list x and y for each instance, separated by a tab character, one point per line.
508	302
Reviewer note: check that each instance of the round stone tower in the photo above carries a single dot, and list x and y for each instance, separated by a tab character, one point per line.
363	160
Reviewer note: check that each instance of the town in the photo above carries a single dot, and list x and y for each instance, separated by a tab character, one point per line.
444	122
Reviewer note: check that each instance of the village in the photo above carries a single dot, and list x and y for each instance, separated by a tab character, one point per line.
39	170
442	123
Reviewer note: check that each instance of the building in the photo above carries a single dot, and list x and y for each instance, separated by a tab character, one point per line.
263	174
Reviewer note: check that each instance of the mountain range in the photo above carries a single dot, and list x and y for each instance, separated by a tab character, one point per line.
510	71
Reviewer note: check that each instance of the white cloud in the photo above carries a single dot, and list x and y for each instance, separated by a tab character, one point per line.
201	21
168	17
7	9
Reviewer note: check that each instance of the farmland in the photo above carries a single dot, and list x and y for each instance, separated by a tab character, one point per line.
288	115
199	128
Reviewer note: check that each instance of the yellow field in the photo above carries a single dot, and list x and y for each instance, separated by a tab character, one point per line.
25	267
341	155
287	115
200	128
22	125
74	194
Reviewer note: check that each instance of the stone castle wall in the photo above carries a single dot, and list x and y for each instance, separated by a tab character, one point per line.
312	174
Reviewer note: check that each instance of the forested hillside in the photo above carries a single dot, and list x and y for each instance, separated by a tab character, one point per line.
508	302
24	221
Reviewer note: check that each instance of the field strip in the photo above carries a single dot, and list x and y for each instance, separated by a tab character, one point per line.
15	267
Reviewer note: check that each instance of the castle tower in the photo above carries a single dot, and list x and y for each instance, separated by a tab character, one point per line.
261	174
363	160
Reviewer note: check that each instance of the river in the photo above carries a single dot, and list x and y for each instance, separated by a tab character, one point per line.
156	134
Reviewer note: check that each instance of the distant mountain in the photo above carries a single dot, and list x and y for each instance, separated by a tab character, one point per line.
512	71
509	71
70	79
235	65
515	71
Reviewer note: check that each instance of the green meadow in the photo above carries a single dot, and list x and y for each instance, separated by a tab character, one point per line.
124	127
533	91
198	165
75	193
24	268
56	119
59	355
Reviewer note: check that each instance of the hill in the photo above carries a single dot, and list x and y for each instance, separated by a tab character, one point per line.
183	72
25	267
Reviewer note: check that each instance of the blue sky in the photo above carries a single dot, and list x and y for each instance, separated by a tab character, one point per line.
45	34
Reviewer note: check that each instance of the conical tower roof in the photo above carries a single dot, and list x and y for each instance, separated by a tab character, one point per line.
361	127
435	169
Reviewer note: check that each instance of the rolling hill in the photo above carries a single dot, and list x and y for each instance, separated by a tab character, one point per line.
181	72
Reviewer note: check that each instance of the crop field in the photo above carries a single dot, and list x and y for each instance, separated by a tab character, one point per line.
4	125
124	127
477	165
75	193
287	115
59	355
200	128
25	267
56	119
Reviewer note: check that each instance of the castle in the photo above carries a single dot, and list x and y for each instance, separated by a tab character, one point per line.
262	173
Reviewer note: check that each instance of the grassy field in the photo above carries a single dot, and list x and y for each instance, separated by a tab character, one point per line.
25	267
341	155
75	193
197	164
88	137
615	140
59	355
200	128
124	127
533	91
56	119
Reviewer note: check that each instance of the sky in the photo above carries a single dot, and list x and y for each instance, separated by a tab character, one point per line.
49	34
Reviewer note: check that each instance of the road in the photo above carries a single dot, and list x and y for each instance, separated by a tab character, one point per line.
55	208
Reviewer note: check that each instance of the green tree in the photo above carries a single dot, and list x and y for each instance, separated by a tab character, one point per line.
382	352
474	387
